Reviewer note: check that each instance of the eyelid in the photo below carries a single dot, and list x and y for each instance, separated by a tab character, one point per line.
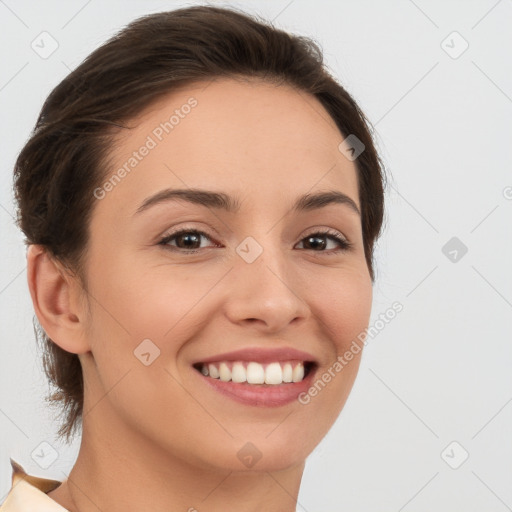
208	232
323	229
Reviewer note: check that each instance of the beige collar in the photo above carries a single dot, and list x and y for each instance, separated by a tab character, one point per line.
29	493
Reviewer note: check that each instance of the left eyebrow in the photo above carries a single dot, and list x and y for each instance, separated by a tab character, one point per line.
222	201
309	202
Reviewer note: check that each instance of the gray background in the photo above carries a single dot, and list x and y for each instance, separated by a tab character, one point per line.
441	370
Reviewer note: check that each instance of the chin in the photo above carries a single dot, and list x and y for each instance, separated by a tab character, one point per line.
261	453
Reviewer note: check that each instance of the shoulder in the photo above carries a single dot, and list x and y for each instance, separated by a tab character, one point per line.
29	493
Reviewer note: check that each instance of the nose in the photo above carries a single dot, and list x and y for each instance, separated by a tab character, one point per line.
266	293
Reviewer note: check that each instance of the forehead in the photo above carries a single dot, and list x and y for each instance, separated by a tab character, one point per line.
269	142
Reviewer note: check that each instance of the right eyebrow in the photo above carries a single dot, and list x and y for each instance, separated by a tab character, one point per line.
210	199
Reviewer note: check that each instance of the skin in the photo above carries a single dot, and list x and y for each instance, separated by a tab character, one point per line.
156	433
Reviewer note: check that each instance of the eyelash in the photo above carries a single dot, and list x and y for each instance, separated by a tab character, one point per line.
345	245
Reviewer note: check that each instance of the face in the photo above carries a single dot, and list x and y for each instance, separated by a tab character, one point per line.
190	294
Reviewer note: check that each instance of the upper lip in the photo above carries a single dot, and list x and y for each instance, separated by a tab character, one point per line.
260	355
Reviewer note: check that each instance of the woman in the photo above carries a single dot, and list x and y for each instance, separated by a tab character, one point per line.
201	200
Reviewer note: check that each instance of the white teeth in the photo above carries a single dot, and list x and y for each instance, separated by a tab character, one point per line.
273	374
255	373
298	373
287	373
213	371
238	373
225	372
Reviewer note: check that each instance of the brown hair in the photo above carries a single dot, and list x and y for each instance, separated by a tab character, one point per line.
64	159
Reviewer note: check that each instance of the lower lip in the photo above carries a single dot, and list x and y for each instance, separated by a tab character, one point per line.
260	395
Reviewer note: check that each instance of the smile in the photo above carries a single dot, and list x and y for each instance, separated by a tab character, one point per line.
257	376
272	373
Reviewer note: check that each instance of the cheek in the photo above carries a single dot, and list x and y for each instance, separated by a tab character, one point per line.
344	313
142	312
345	307
138	301
132	305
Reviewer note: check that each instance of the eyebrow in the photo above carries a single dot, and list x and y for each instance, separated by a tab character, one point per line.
222	201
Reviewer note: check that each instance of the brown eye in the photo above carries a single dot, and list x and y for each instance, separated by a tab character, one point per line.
317	242
186	239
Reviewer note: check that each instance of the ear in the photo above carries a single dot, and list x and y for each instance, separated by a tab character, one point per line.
56	299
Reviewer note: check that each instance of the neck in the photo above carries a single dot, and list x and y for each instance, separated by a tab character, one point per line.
120	471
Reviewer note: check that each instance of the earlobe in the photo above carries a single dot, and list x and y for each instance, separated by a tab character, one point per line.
54	296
